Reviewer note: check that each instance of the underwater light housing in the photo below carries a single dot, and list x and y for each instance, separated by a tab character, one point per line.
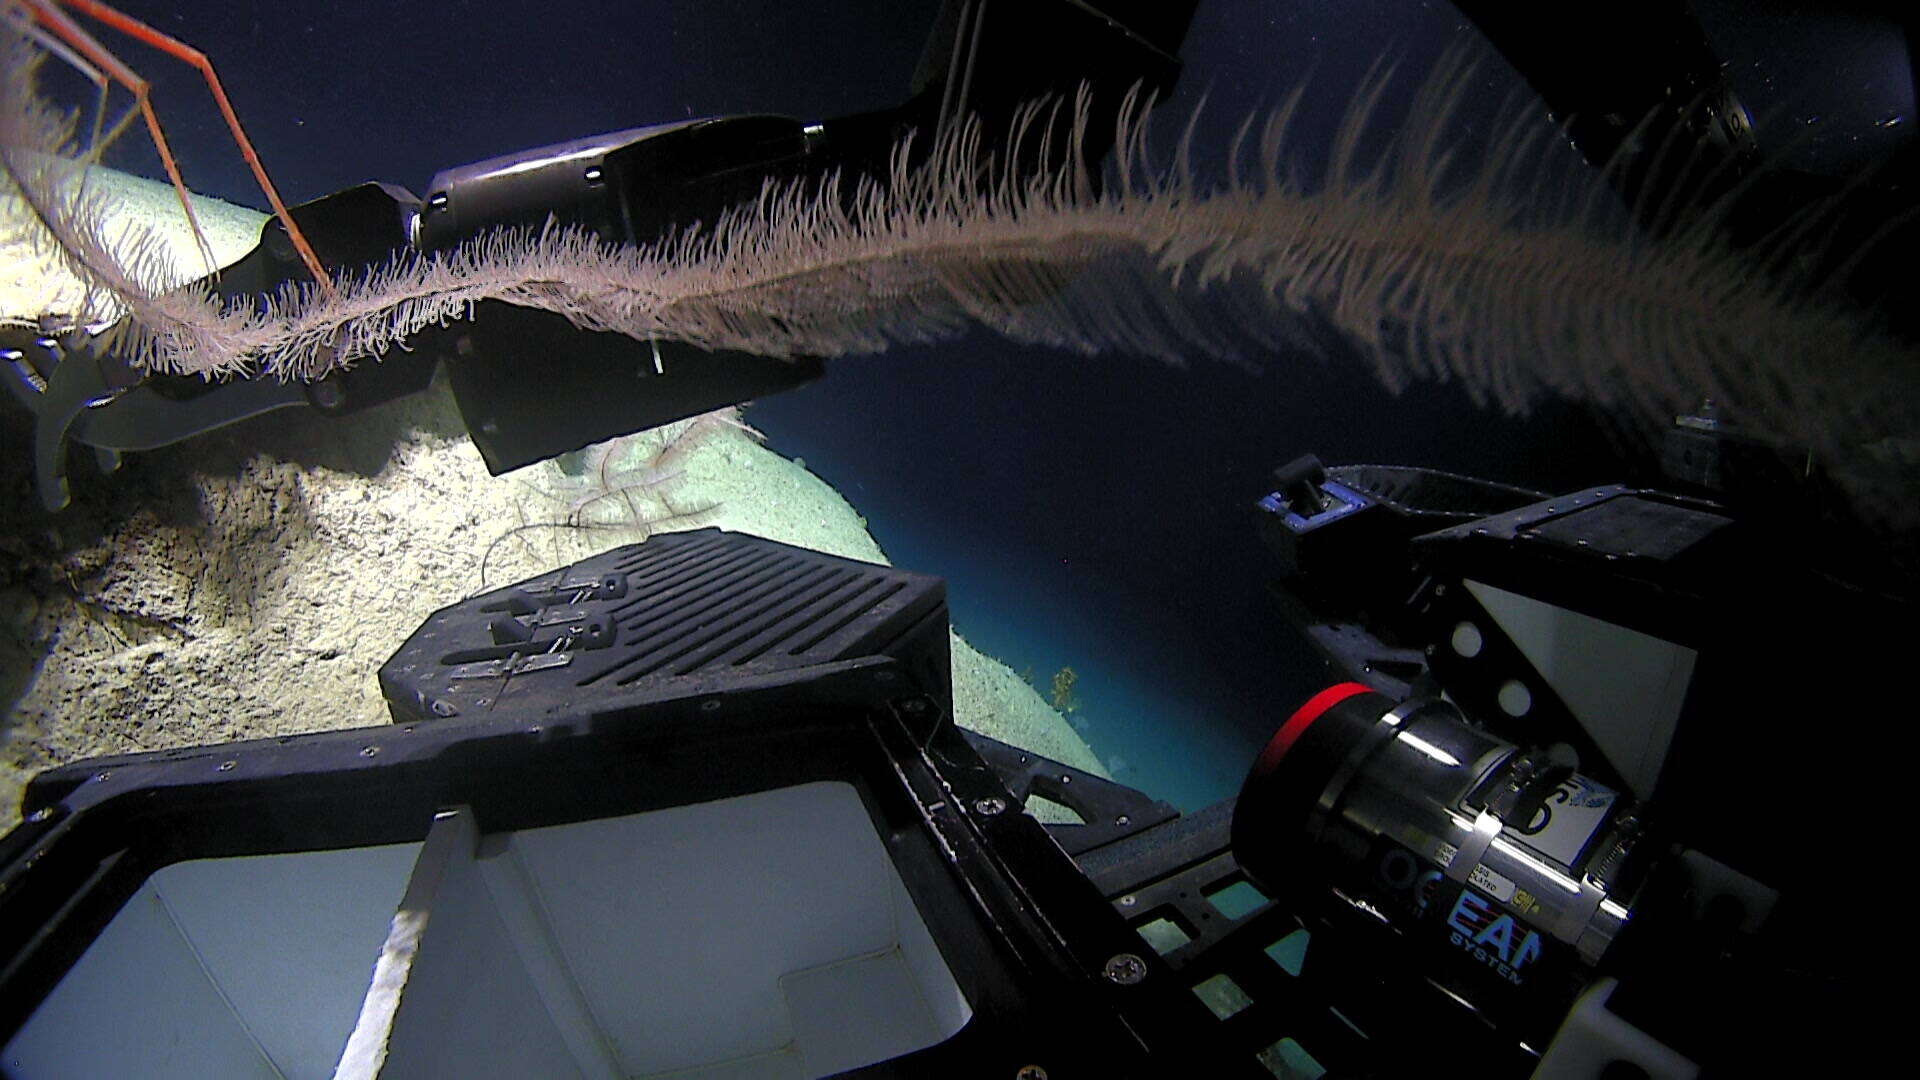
1583	774
1509	873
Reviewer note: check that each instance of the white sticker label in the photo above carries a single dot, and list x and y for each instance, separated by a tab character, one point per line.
1491	883
1566	822
1494	885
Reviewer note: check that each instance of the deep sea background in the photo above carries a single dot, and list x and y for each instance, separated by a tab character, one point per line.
1092	513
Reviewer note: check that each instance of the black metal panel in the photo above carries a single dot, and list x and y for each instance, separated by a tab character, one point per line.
681	614
522	403
1635	557
1108	811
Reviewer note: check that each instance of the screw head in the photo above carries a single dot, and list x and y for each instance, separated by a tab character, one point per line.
1030	1072
228	766
369	751
1123	820
1125	969
989	806
42	814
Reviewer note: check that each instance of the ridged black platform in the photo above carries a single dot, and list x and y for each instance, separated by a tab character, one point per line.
680	614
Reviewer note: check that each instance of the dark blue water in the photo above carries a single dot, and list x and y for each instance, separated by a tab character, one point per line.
1092	514
1097	514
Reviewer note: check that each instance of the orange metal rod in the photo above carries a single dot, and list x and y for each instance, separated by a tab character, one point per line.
134	28
109	66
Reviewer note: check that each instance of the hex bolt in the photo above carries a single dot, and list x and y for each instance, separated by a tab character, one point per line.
1125	969
989	806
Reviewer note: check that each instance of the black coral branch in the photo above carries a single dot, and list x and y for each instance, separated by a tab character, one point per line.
1429	272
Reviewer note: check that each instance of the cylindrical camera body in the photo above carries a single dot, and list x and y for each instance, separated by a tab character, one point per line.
1508	875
